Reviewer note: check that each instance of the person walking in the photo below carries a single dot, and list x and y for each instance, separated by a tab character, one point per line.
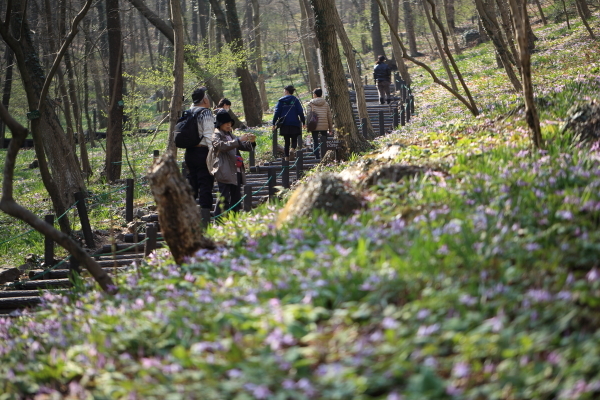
199	177
319	107
225	162
382	73
289	118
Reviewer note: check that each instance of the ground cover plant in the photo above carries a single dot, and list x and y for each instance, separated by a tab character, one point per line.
478	279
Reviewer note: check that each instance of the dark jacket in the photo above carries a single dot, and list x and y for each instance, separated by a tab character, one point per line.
222	155
382	72
289	108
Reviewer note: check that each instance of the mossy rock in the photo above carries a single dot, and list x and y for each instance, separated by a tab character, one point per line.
391	173
326	192
583	120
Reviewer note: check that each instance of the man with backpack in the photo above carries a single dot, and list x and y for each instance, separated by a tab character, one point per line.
197	143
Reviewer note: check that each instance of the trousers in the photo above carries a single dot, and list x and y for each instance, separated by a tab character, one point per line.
230	196
316	136
200	179
383	87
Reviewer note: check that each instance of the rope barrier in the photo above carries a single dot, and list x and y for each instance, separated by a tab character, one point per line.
16	237
119	251
230	208
262	187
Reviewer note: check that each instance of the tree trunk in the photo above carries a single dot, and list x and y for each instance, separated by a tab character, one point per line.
176	99
258	49
233	35
376	38
493	30
397	51
358	84
449	12
410	28
6	89
438	45
507	27
583	9
519	14
12	208
63	178
582	14
325	12
178	214
541	11
313	79
114	132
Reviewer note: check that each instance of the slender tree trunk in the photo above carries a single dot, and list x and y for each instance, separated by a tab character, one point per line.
506	25
233	35
409	26
438	45
541	11
397	51
493	30
60	172
433	75
335	78
114	132
306	47
580	10
376	38
258	49
519	14
179	44
6	89
449	12
358	84
583	9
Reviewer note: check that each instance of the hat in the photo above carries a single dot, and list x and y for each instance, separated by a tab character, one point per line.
223	117
198	95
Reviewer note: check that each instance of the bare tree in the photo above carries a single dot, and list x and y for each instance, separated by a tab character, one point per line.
433	75
519	14
438	45
48	134
325	12
19	133
358	85
396	50
258	55
376	38
409	26
177	98
114	132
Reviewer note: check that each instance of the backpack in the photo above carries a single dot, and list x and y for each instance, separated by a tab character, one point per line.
313	121
186	130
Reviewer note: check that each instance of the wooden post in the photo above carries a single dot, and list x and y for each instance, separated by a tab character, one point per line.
84	219
285	176
299	164
49	243
129	201
252	157
366	80
395	119
407	112
248	198
156	153
381	124
275	143
151	236
74	269
402	116
272	176
412	104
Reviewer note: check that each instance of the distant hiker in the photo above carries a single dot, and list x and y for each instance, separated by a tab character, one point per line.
319	107
225	104
382	73
289	118
225	162
199	176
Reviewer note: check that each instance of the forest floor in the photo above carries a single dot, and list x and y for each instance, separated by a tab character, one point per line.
478	279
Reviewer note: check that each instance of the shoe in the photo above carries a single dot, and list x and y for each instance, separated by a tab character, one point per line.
286	159
381	100
389	101
292	155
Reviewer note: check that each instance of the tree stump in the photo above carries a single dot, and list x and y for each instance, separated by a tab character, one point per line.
178	214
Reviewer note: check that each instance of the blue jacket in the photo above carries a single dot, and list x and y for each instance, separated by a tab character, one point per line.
289	108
